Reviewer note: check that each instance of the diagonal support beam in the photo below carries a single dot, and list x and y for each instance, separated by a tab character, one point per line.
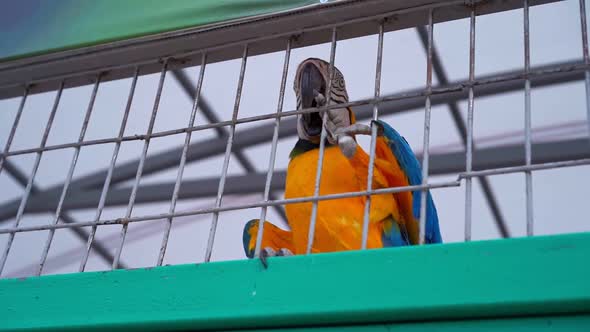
486	187
260	134
80	233
447	163
189	89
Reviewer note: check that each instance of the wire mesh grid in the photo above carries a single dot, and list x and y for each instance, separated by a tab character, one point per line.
124	183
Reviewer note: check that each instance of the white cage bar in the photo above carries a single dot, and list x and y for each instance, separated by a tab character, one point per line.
377	93
323	135
273	149
29	186
109	175
469	143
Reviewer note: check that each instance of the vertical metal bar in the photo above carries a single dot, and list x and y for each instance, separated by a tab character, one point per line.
209	113
427	109
318	177
527	123
187	141
22	179
107	182
469	148
584	27
146	145
373	136
14	126
230	141
461	127
23	202
273	149
69	176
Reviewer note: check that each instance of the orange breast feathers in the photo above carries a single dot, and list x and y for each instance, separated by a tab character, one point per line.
339	221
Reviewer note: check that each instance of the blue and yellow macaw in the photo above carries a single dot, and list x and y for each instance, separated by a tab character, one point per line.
393	219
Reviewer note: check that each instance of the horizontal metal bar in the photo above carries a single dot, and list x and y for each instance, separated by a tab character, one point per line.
262	133
511	155
98	247
80	233
208	112
161	192
125	221
526	168
189	88
506	157
224	41
164	216
543	72
268	116
534	167
446	163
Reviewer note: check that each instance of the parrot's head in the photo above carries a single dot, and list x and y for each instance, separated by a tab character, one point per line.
311	83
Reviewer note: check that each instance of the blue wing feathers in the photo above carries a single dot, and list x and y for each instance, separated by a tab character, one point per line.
410	165
396	234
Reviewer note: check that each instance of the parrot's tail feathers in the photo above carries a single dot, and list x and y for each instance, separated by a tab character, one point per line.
394	234
273	237
249	233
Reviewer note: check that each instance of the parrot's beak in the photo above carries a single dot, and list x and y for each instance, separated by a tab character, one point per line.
312	84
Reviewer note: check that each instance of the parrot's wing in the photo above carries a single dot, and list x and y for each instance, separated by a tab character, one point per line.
273	237
395	234
409	165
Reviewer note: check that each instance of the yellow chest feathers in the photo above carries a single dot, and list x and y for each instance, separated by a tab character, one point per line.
339	221
337	174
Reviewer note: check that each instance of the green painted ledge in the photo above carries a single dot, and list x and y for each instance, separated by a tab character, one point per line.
573	323
539	276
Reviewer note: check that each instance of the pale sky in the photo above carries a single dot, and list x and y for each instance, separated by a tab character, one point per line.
559	195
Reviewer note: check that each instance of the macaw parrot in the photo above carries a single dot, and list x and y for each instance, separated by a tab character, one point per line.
393	219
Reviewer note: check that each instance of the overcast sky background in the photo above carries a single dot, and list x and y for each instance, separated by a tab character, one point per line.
559	195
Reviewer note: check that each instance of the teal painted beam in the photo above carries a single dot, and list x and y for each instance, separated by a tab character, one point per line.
515	277
576	323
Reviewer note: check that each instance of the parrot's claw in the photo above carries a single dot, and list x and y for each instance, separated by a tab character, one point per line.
345	137
270	252
347	145
284	252
264	254
354	129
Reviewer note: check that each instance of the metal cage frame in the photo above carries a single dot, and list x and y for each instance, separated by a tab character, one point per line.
330	22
